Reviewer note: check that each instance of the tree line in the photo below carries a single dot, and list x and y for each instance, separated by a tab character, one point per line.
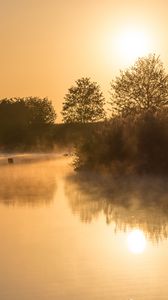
142	87
25	121
133	137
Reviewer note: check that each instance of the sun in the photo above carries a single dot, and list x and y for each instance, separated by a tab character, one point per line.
136	241
132	44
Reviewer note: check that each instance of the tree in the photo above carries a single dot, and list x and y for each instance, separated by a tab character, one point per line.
143	87
13	120
41	111
24	119
83	103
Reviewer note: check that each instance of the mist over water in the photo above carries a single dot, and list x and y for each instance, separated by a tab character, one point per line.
68	236
29	180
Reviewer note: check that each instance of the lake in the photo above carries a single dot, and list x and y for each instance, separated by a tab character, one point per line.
69	238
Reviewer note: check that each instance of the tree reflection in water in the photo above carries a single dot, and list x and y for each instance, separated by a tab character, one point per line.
132	202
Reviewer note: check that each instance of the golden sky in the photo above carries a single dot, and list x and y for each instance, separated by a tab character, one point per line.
48	44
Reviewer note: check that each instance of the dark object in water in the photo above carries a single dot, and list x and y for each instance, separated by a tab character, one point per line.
66	154
10	160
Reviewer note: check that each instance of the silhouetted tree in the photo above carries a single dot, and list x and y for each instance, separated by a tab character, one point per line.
22	120
83	103
13	120
41	111
143	87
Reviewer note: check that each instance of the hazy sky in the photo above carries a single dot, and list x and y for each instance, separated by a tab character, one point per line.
47	44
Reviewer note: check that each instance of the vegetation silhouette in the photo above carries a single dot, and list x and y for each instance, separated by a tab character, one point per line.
142	87
126	145
68	135
126	203
83	103
135	139
28	124
25	122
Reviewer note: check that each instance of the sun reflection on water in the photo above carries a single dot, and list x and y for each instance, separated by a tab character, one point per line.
136	241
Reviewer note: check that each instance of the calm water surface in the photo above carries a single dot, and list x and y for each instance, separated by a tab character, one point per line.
68	239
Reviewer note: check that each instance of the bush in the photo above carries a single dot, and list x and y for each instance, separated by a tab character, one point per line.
127	144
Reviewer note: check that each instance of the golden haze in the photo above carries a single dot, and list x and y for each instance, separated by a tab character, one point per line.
47	45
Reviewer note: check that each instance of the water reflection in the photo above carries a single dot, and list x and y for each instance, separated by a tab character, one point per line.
30	183
136	241
140	202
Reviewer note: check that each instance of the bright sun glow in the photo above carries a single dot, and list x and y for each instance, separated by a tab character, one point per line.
133	43
136	241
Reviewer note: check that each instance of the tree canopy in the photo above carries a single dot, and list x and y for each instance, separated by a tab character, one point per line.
142	87
24	119
83	103
30	110
41	110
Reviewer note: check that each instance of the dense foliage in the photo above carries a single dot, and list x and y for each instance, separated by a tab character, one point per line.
25	121
135	140
127	145
83	103
143	87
